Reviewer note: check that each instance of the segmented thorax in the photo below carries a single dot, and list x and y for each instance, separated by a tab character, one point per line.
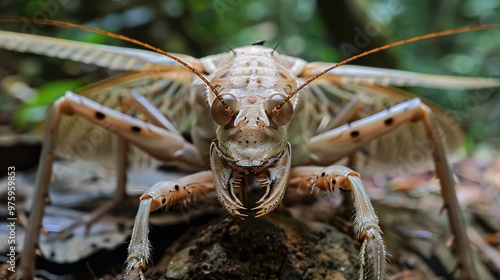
252	81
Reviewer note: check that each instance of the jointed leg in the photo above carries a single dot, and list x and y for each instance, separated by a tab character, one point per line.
26	267
353	136
188	189
320	180
120	194
152	113
141	104
158	142
346	115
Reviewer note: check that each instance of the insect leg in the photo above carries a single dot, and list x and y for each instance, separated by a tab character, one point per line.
373	254
120	194
188	189
156	141
141	104
159	143
27	264
152	113
346	115
351	137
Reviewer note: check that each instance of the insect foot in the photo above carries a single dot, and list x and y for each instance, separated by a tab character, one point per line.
373	255
186	190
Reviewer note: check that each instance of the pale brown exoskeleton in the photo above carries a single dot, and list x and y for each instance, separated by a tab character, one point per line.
277	120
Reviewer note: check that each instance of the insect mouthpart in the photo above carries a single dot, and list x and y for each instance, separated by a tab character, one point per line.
229	175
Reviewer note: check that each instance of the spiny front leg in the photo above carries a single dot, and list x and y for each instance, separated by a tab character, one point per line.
188	189
317	180
335	144
161	143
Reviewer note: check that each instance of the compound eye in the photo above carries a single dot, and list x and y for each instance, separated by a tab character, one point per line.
284	114
217	109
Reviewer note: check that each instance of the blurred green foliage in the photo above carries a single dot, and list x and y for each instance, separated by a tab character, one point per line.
34	110
302	28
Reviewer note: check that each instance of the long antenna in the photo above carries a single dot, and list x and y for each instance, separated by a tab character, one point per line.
58	23
385	47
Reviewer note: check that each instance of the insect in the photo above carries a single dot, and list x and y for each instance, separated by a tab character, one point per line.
278	122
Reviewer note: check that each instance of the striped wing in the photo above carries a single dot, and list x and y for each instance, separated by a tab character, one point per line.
160	79
386	77
168	90
374	89
111	57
